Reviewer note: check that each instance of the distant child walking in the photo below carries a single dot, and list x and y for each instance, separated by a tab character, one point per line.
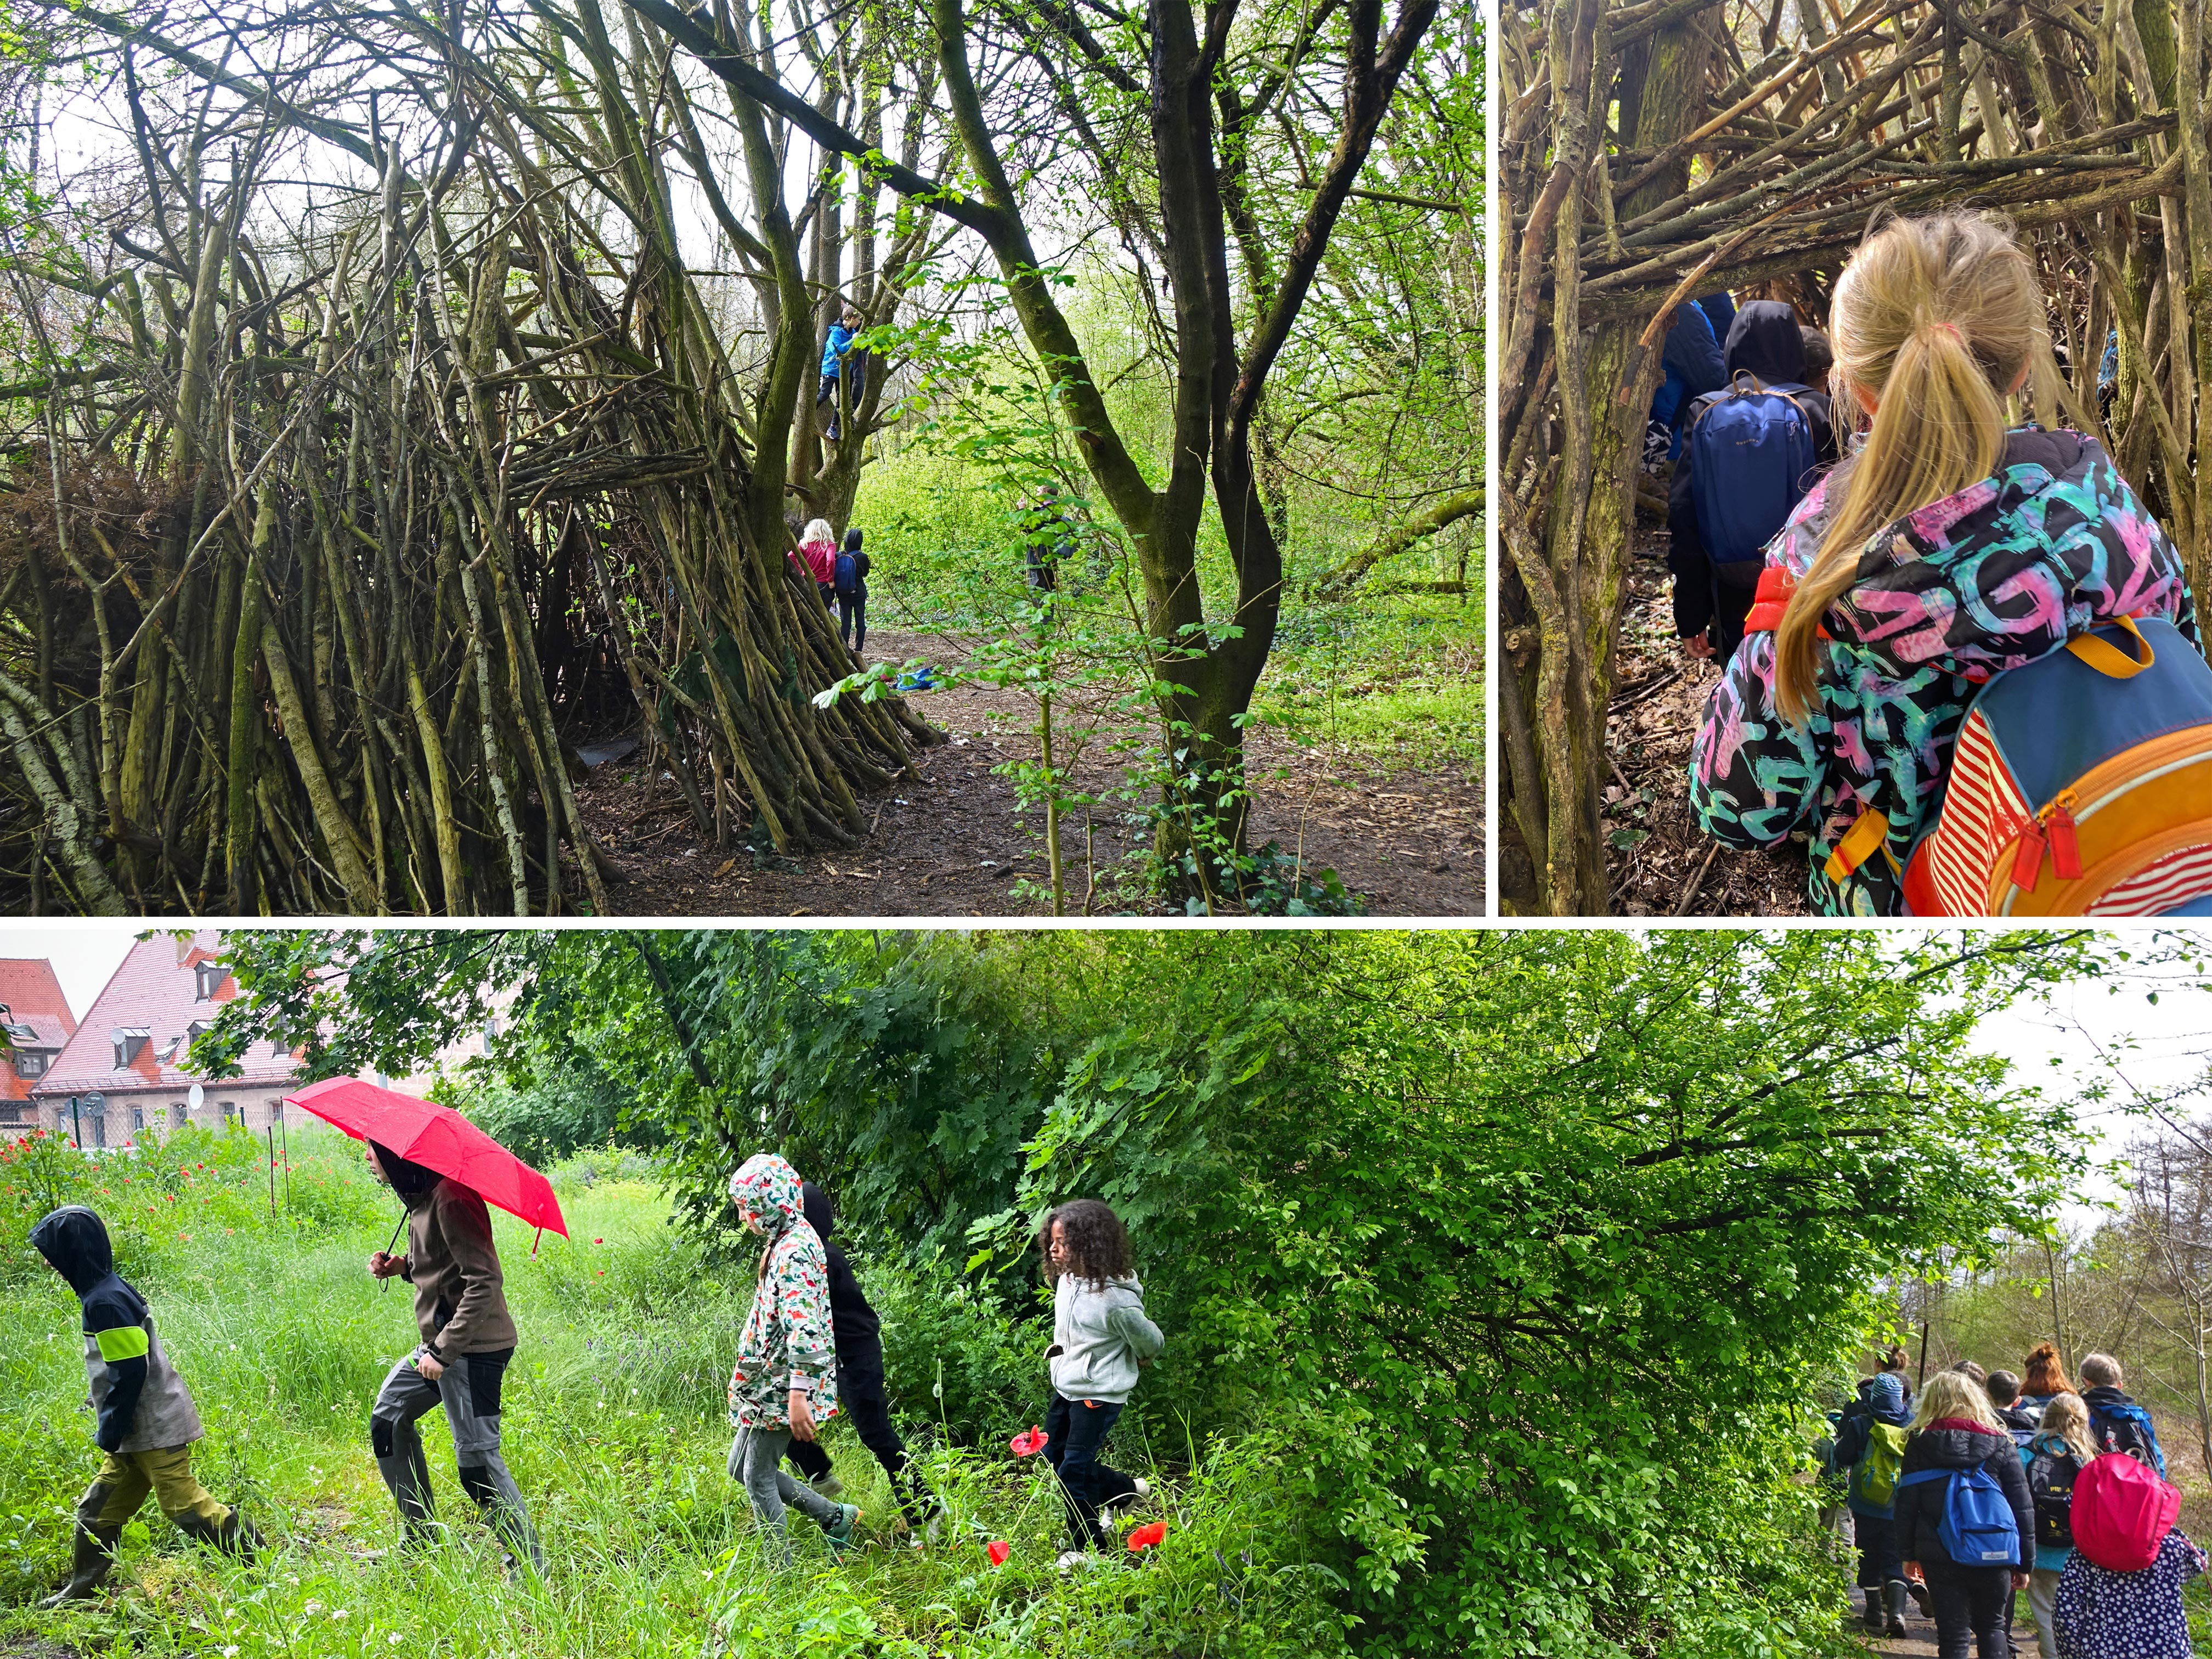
1101	1339
1970	1571
145	1418
1946	549
1870	1448
817	556
849	581
784	1385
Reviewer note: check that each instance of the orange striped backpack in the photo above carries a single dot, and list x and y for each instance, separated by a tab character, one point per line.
2082	786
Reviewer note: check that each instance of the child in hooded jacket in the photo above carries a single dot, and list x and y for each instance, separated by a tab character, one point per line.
1954	1429
1867	1437
145	1419
855	1332
1100	1340
784	1385
1945	550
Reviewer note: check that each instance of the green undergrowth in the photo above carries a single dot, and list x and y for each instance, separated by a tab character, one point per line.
1390	673
614	1427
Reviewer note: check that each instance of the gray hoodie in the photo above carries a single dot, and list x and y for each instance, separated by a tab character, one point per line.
1099	1333
139	1400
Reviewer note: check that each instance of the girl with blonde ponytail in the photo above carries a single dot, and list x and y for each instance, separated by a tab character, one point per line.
1946	547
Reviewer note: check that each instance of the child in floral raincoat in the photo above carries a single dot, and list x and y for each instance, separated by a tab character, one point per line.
785	1381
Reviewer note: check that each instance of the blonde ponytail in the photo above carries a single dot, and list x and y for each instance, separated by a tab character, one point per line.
1936	318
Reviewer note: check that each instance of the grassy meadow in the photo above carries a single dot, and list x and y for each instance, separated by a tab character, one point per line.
614	1427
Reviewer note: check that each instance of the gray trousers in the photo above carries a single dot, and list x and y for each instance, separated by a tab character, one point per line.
469	1390
755	1459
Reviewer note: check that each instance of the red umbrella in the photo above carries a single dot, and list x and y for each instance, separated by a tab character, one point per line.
438	1138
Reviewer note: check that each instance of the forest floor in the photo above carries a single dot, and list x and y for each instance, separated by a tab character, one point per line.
1919	1640
1403	834
1656	852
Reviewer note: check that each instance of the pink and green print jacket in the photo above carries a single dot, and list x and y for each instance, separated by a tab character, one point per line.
2001	574
786	1343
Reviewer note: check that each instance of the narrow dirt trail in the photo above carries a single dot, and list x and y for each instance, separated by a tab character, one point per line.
1657	853
947	843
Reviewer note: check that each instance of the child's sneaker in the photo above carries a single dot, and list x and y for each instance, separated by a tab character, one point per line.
1071	1559
839	1531
1144	1490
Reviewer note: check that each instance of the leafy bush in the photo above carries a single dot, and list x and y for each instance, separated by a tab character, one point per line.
954	1353
569	1106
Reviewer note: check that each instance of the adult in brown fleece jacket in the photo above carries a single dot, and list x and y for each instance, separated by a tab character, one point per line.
1954	1428
468	1337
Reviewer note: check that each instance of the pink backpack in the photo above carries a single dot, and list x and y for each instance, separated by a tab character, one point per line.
2122	1512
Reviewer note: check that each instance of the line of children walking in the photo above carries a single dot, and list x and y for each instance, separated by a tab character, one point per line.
2020	1485
1947	550
810	1346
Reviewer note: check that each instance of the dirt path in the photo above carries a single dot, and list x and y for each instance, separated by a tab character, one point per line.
1656	851
945	842
1919	1640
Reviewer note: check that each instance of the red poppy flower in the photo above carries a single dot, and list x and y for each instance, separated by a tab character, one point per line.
1028	1445
1145	1537
998	1549
598	1241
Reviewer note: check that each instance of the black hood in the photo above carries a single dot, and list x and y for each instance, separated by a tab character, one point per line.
1951	1447
75	1240
408	1179
1764	341
853	541
821	1214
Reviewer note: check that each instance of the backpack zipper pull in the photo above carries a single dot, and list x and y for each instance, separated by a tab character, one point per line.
2027	862
2065	846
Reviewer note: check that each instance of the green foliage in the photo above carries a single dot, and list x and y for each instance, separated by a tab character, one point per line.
614	1426
1527	1248
165	1197
568	1105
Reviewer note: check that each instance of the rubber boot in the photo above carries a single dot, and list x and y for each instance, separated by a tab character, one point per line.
1893	1596
89	1564
1873	1620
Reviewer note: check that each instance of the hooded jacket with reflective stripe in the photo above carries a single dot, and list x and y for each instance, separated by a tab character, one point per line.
139	1400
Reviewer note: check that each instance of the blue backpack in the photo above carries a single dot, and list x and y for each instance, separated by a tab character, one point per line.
1978	1528
847	581
1751	456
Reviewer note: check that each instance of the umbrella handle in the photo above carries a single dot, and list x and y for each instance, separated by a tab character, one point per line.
394	1239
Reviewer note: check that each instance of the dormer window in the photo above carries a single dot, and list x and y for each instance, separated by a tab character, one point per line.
209	977
31	1062
130	1041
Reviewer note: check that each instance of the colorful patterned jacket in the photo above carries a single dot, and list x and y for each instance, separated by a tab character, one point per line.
1997	575
787	1342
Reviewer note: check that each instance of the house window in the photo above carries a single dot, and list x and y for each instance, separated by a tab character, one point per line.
180	1115
209	978
29	1062
137	1120
229	1112
131	1041
99	1128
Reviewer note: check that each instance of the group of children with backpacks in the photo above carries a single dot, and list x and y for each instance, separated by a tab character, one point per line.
810	1347
1969	675
1989	1485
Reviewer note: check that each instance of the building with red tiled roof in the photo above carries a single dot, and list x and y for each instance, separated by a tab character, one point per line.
123	1071
39	1025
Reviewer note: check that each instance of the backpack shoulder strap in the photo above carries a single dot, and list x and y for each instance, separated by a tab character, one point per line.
1921	1477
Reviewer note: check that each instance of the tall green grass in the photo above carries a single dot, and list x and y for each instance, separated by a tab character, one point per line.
614	1427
